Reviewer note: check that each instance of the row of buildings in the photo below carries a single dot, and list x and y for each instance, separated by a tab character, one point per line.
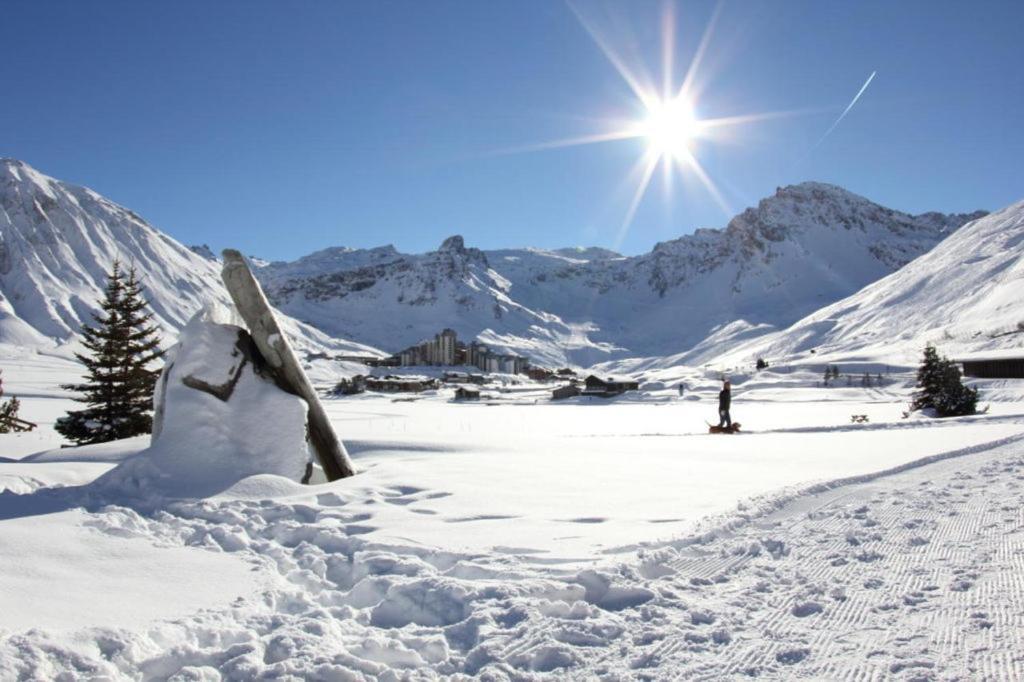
445	349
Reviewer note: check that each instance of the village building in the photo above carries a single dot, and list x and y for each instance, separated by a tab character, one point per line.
1006	364
445	349
400	384
609	386
563	392
540	374
467	393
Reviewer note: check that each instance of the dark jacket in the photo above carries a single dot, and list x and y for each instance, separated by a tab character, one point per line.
724	399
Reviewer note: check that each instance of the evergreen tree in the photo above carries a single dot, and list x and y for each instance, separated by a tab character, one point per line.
955	399
940	387
119	384
9	413
929	376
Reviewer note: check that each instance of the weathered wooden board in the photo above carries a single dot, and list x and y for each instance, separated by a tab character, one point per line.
272	343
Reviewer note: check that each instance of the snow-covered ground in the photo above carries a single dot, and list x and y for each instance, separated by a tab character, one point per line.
518	537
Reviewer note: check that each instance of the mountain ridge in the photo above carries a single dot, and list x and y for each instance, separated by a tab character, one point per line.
799	250
57	244
586	308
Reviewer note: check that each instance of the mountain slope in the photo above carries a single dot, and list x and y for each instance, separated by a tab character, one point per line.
967	294
398	300
801	249
58	241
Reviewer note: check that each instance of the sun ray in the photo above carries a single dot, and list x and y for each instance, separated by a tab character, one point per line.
694	165
744	119
685	90
668	48
641	189
640	90
596	138
670	126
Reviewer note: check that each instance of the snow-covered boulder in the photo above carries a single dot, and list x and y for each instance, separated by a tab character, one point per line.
219	418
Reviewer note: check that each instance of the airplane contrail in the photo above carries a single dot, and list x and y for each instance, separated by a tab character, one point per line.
848	107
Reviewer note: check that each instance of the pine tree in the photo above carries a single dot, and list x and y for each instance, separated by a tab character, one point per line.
955	399
9	413
929	376
119	385
940	387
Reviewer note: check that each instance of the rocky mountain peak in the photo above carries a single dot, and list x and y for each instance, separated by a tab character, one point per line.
455	244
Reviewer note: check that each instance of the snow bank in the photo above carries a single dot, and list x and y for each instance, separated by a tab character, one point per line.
219	419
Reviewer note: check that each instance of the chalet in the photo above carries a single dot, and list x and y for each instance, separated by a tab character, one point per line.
466	393
392	361
540	374
563	392
400	384
609	386
1008	364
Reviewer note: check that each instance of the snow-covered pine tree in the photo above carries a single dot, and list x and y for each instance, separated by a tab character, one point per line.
119	384
955	399
940	387
929	379
9	413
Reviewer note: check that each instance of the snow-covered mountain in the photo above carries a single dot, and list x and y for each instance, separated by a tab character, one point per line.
58	241
967	294
803	248
800	250
400	299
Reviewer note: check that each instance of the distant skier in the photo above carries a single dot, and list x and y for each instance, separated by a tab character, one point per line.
724	403
682	387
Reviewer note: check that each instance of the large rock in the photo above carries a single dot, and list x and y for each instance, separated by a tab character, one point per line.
219	418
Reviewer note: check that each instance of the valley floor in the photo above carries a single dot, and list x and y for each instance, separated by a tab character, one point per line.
517	539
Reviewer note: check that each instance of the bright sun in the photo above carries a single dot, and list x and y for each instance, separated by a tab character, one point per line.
670	128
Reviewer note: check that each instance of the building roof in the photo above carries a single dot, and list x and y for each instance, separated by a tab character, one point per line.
992	355
612	379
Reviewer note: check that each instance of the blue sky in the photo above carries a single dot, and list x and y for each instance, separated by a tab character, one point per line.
281	128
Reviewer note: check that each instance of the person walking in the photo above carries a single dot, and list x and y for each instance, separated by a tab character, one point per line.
724	403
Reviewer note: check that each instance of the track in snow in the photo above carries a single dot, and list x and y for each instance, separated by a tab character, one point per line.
914	575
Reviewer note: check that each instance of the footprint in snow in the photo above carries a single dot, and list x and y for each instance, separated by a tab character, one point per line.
807	609
329	500
792	656
914	598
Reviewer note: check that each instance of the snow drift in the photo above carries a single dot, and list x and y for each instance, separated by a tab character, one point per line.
219	419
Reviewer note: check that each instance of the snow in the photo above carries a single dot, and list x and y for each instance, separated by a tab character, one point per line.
521	538
964	296
797	251
203	442
75	587
60	241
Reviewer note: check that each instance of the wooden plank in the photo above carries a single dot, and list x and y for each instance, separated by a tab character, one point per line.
254	308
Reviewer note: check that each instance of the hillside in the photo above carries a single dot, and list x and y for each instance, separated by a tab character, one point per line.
58	241
797	251
965	295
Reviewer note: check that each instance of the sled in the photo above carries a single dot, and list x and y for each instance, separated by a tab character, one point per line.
715	428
